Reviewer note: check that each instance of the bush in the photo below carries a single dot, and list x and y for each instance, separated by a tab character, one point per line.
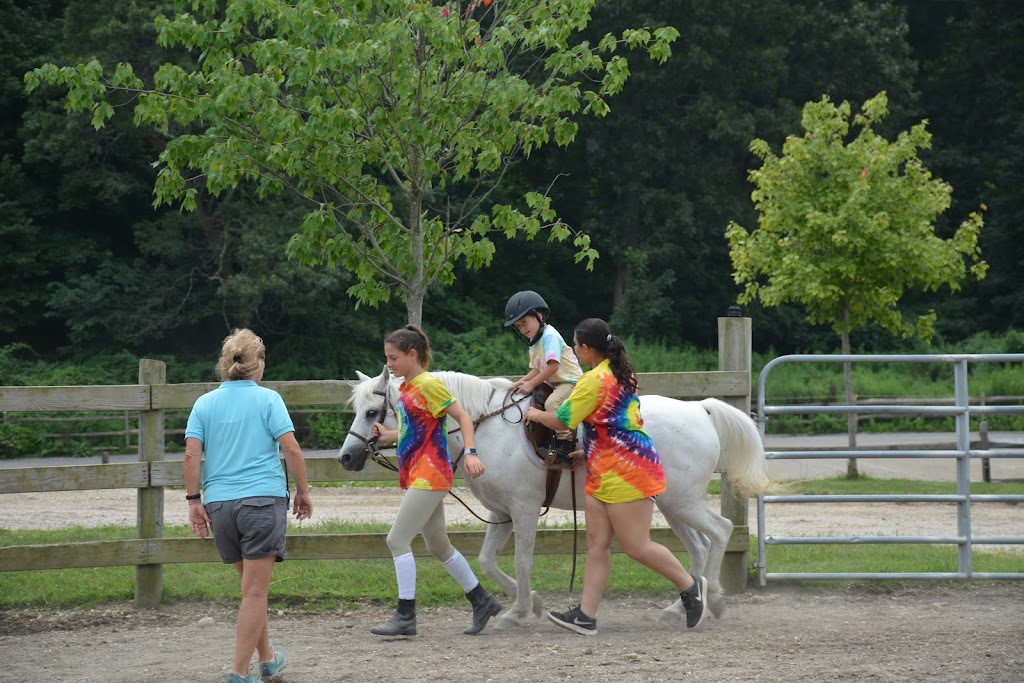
23	441
329	429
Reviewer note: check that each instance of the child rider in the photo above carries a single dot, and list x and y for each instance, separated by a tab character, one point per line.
552	361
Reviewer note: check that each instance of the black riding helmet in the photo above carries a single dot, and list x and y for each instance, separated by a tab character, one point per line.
523	303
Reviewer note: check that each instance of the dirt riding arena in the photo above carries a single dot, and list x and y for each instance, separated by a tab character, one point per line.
947	634
937	632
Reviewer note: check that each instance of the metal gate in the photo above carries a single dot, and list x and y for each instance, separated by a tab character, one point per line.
961	410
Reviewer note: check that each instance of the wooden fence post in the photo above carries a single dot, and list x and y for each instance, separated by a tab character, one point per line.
734	344
150	503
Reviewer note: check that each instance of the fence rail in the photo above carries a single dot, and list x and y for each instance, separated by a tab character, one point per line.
873	408
152	398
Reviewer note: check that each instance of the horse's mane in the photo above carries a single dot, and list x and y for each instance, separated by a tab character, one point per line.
473	393
362	390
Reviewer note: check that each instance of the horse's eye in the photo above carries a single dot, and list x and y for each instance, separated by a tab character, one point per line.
372	413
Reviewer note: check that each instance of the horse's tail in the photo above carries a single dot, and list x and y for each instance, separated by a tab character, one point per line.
742	453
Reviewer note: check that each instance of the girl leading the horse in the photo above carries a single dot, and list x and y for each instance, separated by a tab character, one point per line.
425	472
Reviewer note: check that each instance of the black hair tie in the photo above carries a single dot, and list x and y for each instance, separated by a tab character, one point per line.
237	358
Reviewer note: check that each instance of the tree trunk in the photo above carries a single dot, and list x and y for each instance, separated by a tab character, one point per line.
619	289
416	288
851	419
414	304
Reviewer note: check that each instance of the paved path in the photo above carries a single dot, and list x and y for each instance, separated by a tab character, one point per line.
932	469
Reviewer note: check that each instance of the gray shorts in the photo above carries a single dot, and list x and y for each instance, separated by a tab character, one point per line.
248	528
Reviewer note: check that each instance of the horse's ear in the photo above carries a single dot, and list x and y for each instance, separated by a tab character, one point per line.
361	376
385	375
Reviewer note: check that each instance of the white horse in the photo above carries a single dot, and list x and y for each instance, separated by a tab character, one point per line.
691	437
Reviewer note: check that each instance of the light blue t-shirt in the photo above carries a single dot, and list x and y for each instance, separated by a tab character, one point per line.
239	424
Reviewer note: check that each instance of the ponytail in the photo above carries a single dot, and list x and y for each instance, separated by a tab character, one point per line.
596	334
622	368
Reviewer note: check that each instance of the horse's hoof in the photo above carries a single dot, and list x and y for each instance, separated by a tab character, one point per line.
506	621
538	604
716	603
673	614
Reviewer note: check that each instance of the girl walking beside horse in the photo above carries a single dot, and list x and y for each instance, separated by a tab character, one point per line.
624	474
425	473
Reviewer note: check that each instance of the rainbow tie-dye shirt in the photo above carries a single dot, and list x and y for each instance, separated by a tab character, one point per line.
423	458
622	464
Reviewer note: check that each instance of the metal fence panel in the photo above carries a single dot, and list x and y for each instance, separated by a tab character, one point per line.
961	411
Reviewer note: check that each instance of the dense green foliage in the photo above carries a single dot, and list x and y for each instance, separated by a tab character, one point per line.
92	269
390	120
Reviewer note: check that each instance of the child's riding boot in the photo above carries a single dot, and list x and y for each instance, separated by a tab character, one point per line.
560	448
485	606
402	623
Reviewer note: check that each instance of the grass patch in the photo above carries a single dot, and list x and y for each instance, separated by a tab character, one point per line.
865	485
919	558
320	585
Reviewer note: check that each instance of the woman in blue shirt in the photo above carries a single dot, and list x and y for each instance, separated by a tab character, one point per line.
242	428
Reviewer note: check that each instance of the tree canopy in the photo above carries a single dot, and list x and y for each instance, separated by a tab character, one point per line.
393	119
846	227
91	267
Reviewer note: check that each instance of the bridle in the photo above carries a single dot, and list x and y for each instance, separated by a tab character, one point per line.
371	442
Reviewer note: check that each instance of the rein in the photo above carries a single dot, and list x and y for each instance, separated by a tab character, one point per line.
505	405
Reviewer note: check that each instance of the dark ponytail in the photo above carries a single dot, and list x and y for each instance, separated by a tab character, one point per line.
408	338
596	334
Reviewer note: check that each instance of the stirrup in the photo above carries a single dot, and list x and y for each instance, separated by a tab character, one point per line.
559	455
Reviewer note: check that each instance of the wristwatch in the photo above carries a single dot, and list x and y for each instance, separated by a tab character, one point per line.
469	451
194	496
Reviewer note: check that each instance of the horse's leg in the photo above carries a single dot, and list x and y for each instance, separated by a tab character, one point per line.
699	519
524	523
499	528
697	546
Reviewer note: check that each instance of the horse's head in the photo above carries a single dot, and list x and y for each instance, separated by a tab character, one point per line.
373	401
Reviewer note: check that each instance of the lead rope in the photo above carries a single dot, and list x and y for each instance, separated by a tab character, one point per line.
575	529
505	405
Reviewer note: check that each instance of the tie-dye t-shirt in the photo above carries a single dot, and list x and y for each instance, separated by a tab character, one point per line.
551	347
622	464
423	459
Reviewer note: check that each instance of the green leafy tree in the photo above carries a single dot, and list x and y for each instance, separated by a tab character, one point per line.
394	120
846	227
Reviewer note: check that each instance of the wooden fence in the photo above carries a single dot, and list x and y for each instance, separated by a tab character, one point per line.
151	397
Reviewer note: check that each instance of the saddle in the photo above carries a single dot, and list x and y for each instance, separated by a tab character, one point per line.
553	451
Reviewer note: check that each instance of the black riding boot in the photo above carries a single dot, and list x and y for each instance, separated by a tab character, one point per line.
485	606
558	452
402	623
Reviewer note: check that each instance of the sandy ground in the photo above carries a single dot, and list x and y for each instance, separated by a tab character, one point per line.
940	633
